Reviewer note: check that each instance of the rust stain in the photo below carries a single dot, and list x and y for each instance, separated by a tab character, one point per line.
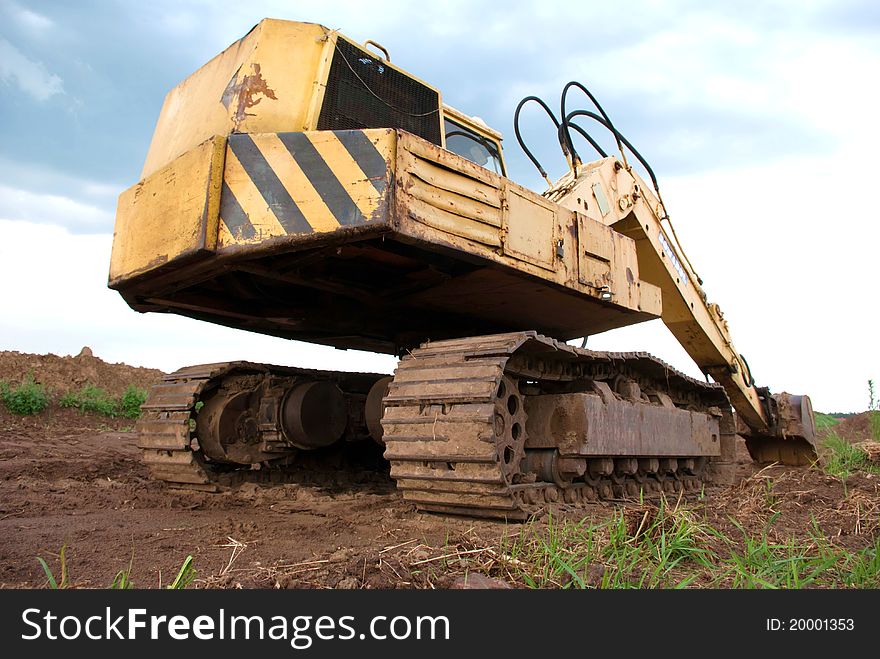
246	93
380	212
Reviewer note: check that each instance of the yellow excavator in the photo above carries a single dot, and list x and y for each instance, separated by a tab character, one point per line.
301	185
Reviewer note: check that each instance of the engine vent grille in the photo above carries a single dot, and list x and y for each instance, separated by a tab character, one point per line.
348	103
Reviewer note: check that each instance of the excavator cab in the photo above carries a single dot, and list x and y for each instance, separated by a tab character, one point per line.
471	138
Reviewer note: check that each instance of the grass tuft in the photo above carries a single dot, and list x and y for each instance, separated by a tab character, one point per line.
184	576
670	547
90	399
130	402
52	582
122	580
645	547
844	458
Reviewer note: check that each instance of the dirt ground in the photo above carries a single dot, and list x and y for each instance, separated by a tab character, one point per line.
77	480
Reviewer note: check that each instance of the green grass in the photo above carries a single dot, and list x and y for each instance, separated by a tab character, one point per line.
184	576
875	425
762	563
663	548
25	399
96	400
844	459
824	421
51	581
122	580
673	548
90	399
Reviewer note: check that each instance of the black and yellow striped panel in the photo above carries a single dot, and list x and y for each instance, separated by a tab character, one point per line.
278	184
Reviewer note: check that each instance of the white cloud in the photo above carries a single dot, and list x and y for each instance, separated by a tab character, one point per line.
30	76
34	177
803	73
20	204
29	20
26	21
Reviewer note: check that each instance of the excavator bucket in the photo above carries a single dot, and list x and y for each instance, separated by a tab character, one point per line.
794	442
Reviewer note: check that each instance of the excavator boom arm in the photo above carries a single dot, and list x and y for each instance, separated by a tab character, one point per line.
611	193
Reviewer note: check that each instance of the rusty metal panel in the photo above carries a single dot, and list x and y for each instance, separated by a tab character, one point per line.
280	184
584	424
595	251
530	229
170	215
596	239
462	201
608	261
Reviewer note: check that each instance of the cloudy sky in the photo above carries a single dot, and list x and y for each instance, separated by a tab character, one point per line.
760	119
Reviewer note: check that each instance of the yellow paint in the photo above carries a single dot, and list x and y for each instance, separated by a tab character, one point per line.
294	180
349	173
685	309
249	198
169	215
530	229
234	91
298	186
285	55
224	237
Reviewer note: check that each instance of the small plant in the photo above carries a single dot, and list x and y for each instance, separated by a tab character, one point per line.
873	412
54	584
184	576
122	580
26	399
131	401
96	400
770	498
90	399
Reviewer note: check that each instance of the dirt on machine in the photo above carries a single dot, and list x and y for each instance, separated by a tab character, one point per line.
301	185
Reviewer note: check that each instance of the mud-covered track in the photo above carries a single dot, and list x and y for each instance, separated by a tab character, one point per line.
455	426
168	432
164	429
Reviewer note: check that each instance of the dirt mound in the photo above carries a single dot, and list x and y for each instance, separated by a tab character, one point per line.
62	374
854	428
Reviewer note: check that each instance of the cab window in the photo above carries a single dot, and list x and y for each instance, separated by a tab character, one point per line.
473	146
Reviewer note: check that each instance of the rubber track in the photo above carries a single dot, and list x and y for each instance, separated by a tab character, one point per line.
439	421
